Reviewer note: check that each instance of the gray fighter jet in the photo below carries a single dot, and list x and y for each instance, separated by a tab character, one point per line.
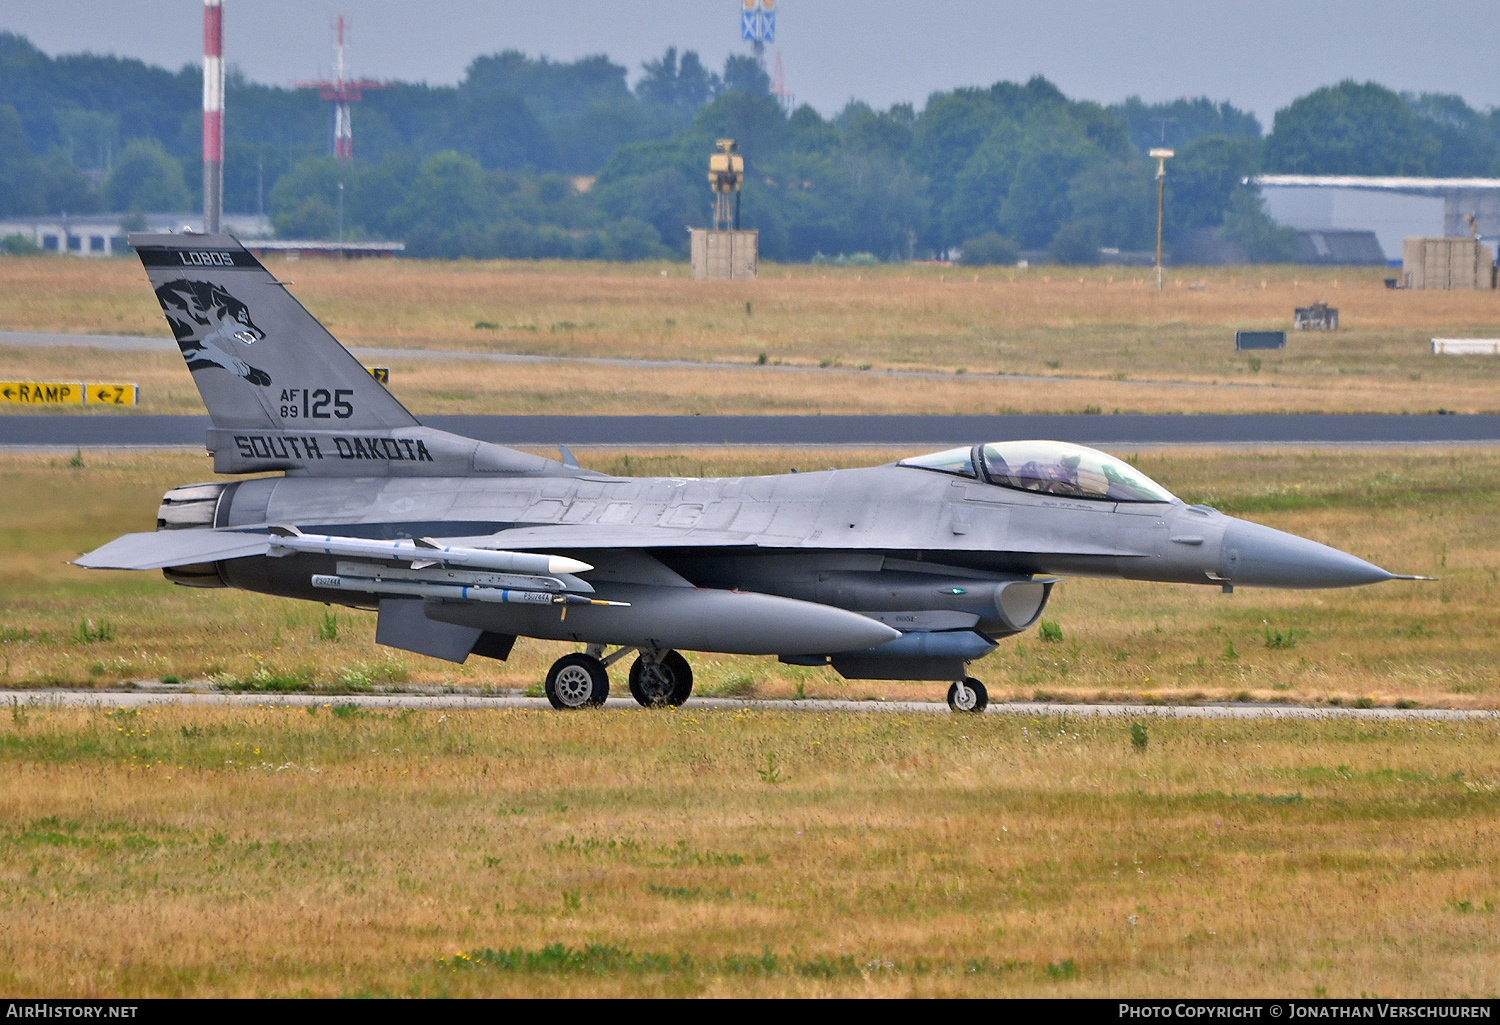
907	571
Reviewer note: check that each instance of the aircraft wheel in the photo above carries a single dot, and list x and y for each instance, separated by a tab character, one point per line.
664	683
973	698
577	681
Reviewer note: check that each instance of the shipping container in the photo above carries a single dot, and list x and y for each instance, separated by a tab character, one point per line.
1460	262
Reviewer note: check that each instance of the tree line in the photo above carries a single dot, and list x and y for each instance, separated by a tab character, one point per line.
528	157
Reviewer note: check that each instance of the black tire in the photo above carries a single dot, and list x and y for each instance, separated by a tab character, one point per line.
684	674
668	683
577	681
978	697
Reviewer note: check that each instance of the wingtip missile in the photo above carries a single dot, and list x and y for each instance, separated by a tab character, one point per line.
562	564
422	552
555	563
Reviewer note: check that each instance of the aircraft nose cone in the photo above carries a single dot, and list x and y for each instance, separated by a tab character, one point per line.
1257	556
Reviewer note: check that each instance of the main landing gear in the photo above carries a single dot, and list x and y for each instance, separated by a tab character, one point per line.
663	682
968	695
577	681
582	680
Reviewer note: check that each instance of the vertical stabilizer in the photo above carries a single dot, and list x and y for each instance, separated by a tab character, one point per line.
259	359
282	393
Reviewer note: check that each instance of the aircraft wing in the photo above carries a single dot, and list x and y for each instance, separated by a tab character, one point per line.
574	537
159	549
623	536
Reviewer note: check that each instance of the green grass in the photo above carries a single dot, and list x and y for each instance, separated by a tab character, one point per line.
175	851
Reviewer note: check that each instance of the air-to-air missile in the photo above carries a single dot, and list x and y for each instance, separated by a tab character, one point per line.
908	571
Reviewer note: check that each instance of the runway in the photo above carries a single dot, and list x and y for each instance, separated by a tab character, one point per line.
150	431
378	355
130	430
1236	711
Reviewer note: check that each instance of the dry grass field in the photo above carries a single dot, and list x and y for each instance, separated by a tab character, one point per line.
197	851
1103	337
474	386
1428	511
264	851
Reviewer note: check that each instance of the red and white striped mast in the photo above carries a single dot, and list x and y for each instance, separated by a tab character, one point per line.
213	115
343	128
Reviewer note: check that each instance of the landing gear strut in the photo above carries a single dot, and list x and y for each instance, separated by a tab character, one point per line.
661	682
577	681
968	695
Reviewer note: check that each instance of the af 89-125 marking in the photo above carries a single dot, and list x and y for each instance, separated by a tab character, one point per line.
313	403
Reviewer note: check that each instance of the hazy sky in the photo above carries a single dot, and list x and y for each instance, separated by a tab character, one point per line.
1259	55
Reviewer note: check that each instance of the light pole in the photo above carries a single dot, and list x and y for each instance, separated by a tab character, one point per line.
1160	156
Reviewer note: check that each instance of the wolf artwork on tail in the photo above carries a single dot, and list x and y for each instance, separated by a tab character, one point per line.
206	321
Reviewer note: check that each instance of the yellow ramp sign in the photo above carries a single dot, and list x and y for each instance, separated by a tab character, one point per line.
69	393
41	393
111	394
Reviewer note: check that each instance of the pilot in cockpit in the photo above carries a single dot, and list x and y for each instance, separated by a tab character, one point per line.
1049	468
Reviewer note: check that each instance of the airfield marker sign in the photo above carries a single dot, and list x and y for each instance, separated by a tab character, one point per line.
111	394
41	393
69	393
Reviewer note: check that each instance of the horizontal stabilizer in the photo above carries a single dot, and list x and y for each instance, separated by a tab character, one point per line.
161	549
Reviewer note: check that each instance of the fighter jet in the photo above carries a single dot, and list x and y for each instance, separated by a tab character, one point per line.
907	571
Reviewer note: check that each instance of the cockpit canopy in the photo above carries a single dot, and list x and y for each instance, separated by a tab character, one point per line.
1049	468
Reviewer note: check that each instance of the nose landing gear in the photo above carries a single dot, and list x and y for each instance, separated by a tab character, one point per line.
661	682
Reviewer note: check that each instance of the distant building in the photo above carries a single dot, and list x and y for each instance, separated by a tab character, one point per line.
101	235
1394	207
295	249
1339	247
1115	257
1206	247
